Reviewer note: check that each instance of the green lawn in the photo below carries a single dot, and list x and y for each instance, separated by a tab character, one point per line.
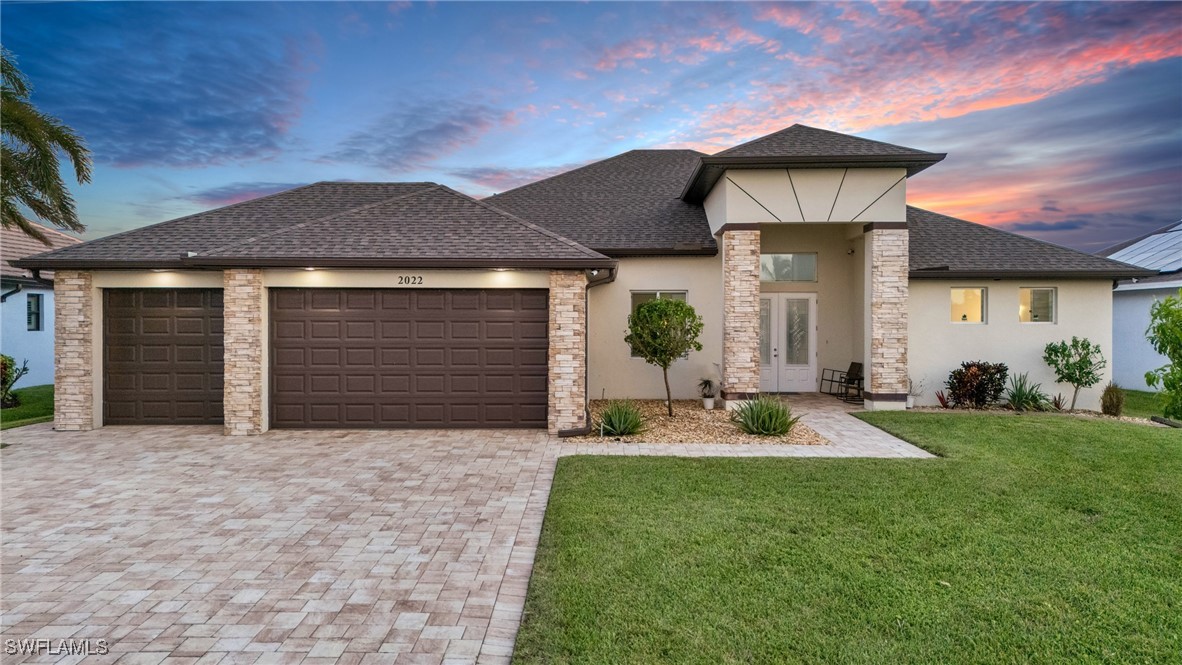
1036	538
1142	404
36	407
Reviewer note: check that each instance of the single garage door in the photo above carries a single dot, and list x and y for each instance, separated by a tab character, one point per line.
408	357
162	356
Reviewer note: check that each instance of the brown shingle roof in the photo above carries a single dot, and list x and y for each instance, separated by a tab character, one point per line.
432	227
625	205
947	247
14	244
804	141
165	243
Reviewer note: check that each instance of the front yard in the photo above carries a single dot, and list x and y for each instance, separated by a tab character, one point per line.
36	407
1035	538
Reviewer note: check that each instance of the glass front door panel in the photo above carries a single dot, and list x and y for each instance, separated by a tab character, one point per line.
765	331
796	332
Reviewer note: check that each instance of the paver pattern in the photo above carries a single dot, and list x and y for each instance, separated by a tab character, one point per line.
180	545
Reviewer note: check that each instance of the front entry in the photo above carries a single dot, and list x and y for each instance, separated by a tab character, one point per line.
787	342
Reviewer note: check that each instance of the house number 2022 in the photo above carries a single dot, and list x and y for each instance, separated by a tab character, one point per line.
410	279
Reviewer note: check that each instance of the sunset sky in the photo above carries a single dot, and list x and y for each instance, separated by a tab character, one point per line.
1062	121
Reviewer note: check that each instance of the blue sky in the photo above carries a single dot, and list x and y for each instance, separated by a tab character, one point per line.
1062	121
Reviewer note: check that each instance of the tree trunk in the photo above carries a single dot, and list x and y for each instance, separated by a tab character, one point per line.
1074	396
668	394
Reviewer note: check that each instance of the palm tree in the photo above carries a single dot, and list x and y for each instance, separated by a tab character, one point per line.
29	162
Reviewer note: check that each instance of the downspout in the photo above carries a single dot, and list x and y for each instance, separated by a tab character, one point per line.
13	292
37	278
592	281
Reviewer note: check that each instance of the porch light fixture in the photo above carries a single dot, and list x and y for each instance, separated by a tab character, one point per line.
595	273
309	269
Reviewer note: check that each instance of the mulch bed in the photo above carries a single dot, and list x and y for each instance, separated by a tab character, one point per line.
693	424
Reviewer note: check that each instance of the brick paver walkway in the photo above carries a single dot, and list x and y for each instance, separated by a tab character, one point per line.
179	545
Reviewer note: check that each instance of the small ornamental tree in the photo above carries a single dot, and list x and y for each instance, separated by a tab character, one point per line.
661	331
1165	334
1077	363
9	375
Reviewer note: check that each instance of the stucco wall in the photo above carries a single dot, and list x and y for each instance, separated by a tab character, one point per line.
18	341
937	346
612	369
838	273
1133	356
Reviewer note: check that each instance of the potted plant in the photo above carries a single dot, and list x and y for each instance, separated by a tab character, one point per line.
914	389
707	390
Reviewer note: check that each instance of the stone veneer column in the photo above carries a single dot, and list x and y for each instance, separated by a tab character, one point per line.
73	338
567	403
887	386
740	314
243	312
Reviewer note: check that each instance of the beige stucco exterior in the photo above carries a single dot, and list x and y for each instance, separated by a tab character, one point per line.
613	372
938	346
771	196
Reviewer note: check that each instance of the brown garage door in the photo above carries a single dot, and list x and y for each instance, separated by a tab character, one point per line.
408	358
162	356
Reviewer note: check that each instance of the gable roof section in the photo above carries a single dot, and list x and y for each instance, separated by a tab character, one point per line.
943	247
1160	250
801	146
335	224
627	205
428	228
15	245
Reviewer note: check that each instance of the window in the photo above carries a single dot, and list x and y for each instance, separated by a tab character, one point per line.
1036	305
968	305
33	310
787	267
640	297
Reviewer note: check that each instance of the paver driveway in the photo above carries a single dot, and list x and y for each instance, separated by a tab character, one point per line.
179	543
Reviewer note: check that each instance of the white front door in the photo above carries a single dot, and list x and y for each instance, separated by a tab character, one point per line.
788	342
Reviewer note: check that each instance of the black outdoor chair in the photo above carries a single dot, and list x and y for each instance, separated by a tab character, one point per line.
846	386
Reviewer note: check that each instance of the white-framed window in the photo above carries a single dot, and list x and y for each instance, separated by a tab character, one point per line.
34	311
969	305
641	297
788	267
1037	304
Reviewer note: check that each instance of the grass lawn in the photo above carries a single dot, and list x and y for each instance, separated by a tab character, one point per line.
1035	538
36	407
1142	404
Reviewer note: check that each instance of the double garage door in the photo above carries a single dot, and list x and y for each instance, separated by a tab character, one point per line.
372	358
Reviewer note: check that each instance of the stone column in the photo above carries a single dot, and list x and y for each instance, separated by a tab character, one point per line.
740	315
567	403
886	384
73	338
244	376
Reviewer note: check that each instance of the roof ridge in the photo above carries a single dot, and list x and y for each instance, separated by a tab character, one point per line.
1027	238
589	165
530	225
721	153
288	229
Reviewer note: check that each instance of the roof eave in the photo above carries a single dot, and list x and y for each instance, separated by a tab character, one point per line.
1027	274
396	262
710	169
632	252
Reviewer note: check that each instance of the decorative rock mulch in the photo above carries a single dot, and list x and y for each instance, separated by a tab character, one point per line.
693	424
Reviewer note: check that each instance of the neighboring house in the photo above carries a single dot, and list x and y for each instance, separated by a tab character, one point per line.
26	304
412	305
1161	252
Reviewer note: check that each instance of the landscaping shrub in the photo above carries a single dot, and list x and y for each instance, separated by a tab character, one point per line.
943	400
1025	395
9	375
621	418
1165	335
1112	402
764	416
976	384
661	331
1077	363
1059	402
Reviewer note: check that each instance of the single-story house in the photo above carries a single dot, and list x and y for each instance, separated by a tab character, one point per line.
412	305
26	303
1160	252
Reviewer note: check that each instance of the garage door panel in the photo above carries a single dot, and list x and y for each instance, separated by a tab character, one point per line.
162	360
409	358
